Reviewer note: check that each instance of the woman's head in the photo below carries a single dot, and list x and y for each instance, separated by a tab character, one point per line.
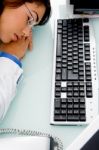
18	15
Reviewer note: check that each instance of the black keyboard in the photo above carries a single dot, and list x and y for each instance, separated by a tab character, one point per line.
72	81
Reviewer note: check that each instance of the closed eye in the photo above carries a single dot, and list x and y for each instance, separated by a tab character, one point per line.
29	19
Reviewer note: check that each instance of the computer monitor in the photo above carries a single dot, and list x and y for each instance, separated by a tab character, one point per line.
85	3
85	6
72	1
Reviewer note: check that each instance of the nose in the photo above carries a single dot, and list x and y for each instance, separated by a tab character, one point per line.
26	31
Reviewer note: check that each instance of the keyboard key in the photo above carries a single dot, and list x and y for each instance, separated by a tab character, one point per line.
86	33
89	94
58	84
82	111
59	45
82	118
70	111
57	89
64	74
63	112
73	117
71	76
63	100
63	89
57	103
63	106
57	94
63	84
76	111
58	77
57	112
63	95
60	117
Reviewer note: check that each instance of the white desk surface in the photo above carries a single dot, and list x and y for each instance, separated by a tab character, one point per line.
31	107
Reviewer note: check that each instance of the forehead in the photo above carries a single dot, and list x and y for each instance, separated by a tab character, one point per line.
38	8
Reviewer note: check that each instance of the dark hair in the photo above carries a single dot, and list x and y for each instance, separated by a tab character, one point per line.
17	3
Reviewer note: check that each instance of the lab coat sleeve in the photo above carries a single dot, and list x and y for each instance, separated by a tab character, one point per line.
10	74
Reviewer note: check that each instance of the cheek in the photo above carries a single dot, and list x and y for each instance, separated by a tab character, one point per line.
13	20
6	32
15	24
10	26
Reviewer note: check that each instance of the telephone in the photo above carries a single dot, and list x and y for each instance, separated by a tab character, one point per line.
28	140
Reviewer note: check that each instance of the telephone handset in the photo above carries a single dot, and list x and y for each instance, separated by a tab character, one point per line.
55	142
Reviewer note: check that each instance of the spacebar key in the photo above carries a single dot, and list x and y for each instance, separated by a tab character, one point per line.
71	76
59	45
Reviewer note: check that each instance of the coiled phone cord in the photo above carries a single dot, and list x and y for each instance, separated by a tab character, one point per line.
24	132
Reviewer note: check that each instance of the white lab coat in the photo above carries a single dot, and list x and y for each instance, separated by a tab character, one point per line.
10	73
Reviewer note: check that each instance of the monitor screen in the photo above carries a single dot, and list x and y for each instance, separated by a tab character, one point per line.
85	6
86	3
